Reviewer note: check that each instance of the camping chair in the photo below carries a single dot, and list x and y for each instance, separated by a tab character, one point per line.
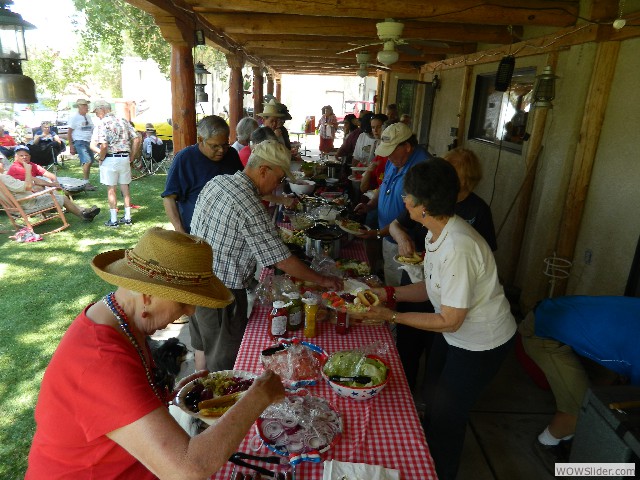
18	213
158	160
45	154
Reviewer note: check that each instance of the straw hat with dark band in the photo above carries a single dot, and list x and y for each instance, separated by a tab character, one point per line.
172	265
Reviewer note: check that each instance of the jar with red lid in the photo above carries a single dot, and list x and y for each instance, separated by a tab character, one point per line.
277	323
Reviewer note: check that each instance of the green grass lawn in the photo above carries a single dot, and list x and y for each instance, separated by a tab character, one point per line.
43	287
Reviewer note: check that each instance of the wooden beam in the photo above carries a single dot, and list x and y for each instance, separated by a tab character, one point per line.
588	140
270	53
236	92
598	10
257	23
335	44
555	41
467	81
183	101
498	12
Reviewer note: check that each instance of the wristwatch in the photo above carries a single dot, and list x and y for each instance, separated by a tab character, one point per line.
378	235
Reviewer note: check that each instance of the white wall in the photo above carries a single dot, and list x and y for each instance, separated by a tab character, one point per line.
610	225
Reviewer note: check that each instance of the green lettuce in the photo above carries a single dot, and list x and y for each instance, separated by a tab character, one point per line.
350	364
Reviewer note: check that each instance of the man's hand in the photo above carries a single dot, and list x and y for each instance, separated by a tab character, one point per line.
334	283
361	208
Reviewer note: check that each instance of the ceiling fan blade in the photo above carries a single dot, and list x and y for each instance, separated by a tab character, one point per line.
358	48
378	66
408	49
427	43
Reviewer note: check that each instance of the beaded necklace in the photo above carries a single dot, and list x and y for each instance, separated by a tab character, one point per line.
110	301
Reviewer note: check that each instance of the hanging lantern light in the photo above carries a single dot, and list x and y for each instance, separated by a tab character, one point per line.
545	89
201	81
14	86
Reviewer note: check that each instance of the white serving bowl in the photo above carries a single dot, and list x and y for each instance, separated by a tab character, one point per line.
302	187
359	393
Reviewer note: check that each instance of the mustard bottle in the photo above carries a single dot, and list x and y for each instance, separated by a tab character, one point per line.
310	311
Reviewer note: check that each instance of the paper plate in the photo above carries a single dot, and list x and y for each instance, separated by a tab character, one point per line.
343	224
410	264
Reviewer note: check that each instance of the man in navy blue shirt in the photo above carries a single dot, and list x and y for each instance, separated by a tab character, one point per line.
194	166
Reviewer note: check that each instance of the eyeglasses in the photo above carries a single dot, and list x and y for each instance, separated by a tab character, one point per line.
282	179
215	146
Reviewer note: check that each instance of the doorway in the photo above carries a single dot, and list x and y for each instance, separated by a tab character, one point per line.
409	92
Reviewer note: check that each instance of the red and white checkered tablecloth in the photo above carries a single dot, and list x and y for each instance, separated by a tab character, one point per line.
384	430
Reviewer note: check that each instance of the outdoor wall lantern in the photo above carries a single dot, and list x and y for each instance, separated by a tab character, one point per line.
545	89
14	86
201	81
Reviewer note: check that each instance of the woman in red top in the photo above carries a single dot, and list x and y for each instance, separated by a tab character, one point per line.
100	412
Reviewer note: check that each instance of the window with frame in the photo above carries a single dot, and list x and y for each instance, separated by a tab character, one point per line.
500	118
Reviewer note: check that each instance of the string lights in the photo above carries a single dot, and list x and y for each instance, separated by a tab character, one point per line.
466	61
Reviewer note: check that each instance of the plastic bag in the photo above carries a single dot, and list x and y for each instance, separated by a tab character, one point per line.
301	427
274	287
325	265
298	363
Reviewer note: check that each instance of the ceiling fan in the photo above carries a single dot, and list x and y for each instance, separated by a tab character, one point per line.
390	33
362	59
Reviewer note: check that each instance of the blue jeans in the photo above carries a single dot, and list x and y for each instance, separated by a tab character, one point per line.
83	151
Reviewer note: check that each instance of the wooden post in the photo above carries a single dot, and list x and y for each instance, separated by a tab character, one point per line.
278	89
462	108
588	140
236	92
183	97
269	84
258	100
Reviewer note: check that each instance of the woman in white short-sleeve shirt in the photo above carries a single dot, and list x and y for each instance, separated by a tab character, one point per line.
471	310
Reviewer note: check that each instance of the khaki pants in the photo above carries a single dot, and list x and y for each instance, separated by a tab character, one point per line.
562	367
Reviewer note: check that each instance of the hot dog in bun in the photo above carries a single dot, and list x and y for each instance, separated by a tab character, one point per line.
368	298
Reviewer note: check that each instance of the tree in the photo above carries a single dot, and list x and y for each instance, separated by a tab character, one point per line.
129	30
85	73
125	29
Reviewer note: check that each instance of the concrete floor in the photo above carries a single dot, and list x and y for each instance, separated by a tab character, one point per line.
504	422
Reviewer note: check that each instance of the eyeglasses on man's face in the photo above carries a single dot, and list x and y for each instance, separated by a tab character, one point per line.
284	177
215	146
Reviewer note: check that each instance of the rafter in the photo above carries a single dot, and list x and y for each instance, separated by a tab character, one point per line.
498	12
336	44
233	23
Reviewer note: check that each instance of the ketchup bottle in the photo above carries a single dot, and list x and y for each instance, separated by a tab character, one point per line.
278	320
